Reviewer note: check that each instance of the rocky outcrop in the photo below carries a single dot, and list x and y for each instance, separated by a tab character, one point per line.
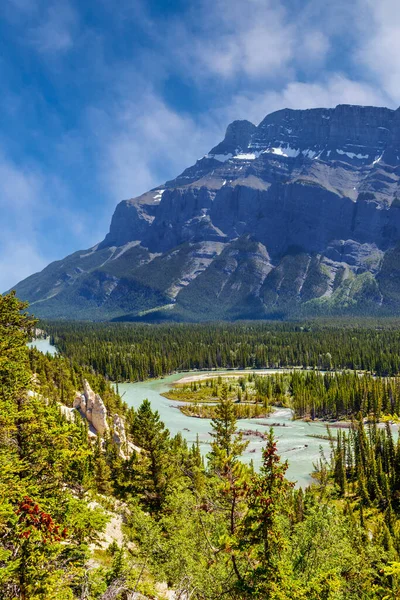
119	434
237	139
92	407
296	216
131	219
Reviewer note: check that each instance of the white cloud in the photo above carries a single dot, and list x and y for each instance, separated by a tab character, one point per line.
256	47
379	47
20	191
143	142
314	49
18	260
257	39
335	89
32	205
50	26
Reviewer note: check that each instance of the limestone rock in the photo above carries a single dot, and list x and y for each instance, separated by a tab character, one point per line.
80	402
119	435
99	415
92	407
67	412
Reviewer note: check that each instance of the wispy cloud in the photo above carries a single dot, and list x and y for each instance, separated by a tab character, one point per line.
328	92
35	218
379	45
20	191
255	42
18	260
49	26
226	38
55	29
142	142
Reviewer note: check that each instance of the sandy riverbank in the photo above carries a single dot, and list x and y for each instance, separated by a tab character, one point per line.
233	374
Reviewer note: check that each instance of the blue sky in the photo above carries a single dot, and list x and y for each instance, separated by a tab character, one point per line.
102	100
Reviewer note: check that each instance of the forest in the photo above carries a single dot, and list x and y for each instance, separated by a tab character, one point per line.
134	352
192	528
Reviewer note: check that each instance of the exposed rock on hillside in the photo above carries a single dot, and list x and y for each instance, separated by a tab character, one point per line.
93	408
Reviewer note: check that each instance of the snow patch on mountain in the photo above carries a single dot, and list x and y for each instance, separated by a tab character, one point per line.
248	156
283	151
352	154
158	195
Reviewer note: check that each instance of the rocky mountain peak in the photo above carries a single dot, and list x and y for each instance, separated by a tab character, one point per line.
237	138
298	215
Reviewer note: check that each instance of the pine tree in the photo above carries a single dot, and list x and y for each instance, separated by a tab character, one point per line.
340	463
150	434
102	471
226	442
262	541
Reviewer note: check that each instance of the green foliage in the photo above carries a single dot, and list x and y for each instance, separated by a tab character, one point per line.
132	352
43	466
311	394
150	434
262	540
206	530
248	395
338	395
226	442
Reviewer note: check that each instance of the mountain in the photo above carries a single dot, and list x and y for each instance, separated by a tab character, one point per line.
297	216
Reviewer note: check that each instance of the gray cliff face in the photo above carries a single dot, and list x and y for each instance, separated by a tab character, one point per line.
131	218
237	138
362	131
298	215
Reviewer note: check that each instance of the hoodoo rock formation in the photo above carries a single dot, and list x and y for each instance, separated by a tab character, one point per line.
92	407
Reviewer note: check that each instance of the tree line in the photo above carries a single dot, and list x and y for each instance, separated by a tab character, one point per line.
342	395
135	352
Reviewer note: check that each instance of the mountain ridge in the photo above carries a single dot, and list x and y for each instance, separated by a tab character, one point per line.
299	215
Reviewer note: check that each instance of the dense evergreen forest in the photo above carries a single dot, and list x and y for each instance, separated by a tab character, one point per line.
135	352
132	352
191	528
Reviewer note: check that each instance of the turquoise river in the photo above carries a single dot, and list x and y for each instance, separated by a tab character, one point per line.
295	441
